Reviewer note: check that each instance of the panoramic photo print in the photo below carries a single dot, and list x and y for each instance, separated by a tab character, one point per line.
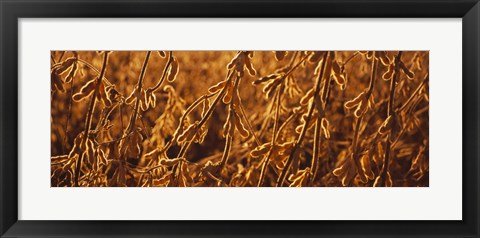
239	118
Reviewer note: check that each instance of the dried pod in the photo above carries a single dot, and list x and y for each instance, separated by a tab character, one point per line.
270	86
150	98
306	98
240	126
153	100
361	108
369	54
325	126
217	87
77	145
249	66
417	61
280	55
266	78
261	150
338	74
85	91
56	83
301	178
382	55
205	106
340	80
365	169
389	74
346	172
202	133
354	102
91	151
386	125
170	162
240	61
299	129
102	158
316	56
229	94
163	181
188	133
102	94
63	66
162	54
379	181
134	145
173	71
185	174
71	74
143	100
231	64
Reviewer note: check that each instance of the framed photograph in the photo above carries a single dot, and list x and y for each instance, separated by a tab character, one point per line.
229	118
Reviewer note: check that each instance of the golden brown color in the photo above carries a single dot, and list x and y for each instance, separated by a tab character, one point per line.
234	119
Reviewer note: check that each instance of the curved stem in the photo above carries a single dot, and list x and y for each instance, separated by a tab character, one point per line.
131	124
229	138
350	58
165	70
390	113
358	121
293	153
61	56
182	119
90	66
69	113
274	137
410	99
317	141
209	112
88	122
249	125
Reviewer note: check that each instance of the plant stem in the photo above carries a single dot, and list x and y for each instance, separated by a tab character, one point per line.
69	113
249	125
355	136
226	151
90	66
293	153
61	56
424	81
274	137
131	125
209	112
372	77
229	138
165	70
317	141
350	58
88	122
185	148
390	113
182	119
277	114
317	137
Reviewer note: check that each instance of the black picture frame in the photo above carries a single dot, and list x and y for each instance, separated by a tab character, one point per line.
12	10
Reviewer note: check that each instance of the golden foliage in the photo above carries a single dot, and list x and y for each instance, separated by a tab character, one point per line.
295	118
